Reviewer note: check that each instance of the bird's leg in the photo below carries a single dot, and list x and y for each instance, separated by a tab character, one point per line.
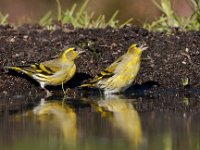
48	93
42	101
67	90
64	91
100	92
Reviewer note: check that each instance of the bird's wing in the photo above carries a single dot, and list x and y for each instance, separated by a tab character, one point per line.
102	75
114	65
108	72
46	68
51	66
37	69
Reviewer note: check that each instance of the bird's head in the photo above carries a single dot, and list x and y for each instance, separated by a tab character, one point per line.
137	50
71	53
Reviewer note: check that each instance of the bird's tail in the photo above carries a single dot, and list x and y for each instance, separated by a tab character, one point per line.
19	69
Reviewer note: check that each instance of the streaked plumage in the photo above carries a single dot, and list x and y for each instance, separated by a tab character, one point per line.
53	72
119	75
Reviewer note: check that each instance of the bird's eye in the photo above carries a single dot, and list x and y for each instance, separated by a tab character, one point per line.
75	49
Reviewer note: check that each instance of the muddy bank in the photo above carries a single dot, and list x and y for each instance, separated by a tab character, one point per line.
170	60
165	101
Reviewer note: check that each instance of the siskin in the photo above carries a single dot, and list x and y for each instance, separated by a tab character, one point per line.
53	72
120	74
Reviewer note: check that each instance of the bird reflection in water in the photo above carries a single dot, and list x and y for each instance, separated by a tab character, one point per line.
61	115
122	116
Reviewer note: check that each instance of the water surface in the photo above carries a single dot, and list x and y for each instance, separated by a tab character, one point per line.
97	123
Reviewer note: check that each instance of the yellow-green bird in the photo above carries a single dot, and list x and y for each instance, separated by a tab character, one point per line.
53	72
120	74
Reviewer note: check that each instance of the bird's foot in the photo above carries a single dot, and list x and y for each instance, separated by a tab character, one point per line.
66	92
48	93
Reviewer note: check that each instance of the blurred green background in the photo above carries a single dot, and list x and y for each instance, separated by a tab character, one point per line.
143	11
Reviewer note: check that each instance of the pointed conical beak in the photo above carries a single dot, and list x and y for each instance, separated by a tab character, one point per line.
80	52
143	47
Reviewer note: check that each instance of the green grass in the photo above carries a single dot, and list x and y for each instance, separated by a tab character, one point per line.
81	18
170	19
3	19
77	16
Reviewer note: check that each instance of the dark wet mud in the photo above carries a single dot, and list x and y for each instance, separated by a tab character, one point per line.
171	60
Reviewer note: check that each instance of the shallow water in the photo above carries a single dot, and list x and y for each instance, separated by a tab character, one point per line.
97	123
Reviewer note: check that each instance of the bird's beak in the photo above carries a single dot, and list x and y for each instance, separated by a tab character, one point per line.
80	52
143	47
